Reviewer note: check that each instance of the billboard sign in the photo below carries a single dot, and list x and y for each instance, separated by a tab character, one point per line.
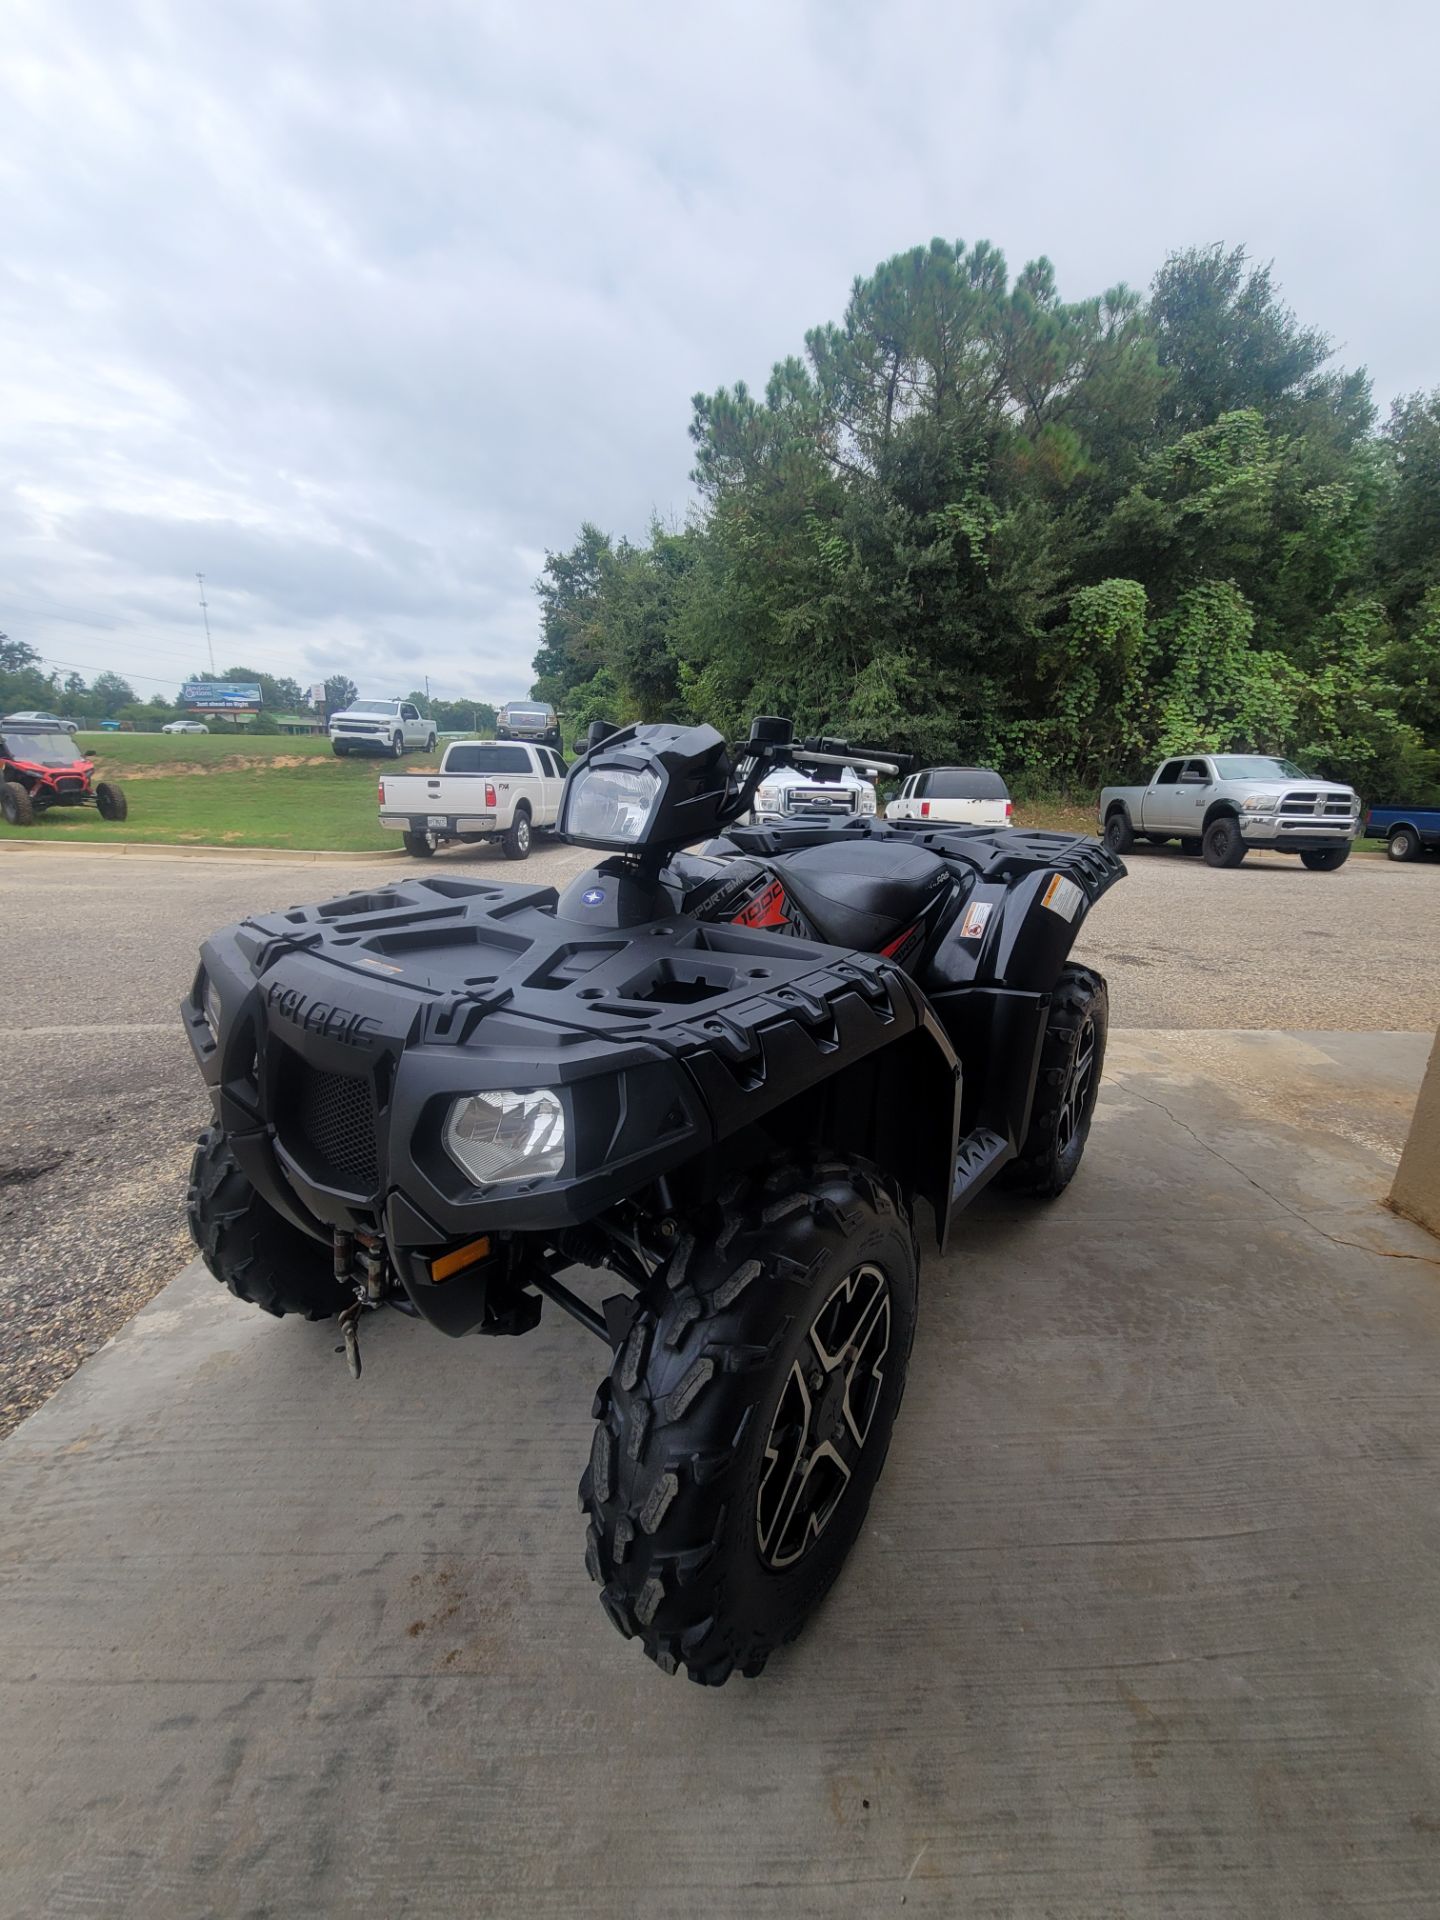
316	695
220	696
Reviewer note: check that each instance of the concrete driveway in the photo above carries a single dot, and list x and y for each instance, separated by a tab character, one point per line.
1144	1621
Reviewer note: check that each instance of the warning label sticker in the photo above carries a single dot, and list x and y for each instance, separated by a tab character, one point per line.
1062	896
977	918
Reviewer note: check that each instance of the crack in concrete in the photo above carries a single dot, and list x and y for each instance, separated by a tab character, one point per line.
1335	1239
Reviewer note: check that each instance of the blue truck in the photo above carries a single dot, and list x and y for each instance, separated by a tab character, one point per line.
1409	833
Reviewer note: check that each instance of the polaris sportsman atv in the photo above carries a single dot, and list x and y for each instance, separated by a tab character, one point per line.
737	1081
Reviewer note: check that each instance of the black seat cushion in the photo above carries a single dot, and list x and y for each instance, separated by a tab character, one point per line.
861	893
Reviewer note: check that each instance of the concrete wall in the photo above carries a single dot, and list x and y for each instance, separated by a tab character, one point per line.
1416	1191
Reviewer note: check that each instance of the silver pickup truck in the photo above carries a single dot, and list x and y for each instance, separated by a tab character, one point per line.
1225	804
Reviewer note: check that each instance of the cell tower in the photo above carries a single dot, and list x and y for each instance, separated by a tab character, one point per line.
205	614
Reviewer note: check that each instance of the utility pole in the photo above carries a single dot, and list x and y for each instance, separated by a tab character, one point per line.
205	611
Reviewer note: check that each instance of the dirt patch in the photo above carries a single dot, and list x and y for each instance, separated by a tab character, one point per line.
227	763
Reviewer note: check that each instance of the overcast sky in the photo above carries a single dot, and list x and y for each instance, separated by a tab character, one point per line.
358	309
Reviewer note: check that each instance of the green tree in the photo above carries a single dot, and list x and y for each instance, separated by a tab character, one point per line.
16	656
1226	341
981	522
109	693
340	692
1409	536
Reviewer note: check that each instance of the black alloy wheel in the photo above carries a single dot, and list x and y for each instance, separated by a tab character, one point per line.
825	1416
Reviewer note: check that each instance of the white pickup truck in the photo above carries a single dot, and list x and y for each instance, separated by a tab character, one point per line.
485	790
813	792
387	726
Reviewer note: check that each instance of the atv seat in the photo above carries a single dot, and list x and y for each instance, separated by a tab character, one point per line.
861	893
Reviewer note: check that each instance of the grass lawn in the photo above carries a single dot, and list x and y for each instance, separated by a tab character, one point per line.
219	791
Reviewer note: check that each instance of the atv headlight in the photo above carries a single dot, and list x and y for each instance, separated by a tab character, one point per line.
610	803
506	1136
212	1008
1261	802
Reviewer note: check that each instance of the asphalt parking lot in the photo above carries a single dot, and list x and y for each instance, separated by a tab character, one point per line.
103	1101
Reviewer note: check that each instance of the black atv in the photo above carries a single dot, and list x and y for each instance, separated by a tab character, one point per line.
735	1080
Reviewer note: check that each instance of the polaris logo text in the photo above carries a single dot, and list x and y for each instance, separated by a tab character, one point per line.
318	1016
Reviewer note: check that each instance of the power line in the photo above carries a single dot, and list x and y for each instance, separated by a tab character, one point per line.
159	680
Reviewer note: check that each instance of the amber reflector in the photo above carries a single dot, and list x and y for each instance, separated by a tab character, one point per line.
462	1257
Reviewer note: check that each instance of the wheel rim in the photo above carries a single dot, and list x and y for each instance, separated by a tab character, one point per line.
522	833
1400	846
1079	1091
825	1416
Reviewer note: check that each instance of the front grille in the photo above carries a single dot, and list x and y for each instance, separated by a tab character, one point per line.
67	783
335	1118
818	800
1306	805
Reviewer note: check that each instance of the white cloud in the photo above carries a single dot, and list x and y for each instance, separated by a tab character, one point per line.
359	310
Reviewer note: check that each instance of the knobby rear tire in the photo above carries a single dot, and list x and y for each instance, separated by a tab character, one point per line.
1054	1144
685	1418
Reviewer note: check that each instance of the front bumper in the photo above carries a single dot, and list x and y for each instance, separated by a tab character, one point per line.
1277	833
805	817
372	737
